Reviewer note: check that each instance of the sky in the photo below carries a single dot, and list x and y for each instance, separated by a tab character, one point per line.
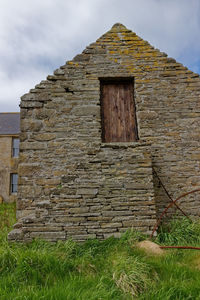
38	36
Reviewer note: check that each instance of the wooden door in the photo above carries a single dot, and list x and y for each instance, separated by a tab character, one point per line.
118	112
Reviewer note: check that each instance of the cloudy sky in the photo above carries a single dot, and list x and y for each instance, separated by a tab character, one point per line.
38	36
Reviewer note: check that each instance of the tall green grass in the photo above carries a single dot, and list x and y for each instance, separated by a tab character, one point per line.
180	231
113	269
7	219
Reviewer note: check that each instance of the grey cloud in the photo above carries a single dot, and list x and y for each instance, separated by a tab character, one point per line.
38	36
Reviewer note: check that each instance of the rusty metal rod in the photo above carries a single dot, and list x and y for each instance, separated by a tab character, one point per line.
164	188
180	247
170	205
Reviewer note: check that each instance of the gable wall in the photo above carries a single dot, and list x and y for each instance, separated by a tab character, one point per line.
8	165
73	185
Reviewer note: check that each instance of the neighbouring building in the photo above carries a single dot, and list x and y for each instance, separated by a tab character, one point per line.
9	153
91	135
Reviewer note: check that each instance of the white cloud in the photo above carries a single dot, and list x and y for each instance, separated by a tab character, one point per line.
38	36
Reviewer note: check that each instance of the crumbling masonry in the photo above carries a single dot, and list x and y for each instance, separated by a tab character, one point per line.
74	184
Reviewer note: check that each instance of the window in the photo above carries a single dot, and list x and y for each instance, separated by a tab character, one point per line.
118	111
13	183
15	147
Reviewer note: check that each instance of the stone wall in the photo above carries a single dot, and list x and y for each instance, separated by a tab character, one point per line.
66	173
104	195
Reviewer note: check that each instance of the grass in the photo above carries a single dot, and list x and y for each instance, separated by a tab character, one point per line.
112	269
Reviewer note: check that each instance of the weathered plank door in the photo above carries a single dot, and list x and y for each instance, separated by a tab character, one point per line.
118	112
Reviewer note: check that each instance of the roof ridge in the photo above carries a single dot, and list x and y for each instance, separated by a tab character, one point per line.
118	26
10	112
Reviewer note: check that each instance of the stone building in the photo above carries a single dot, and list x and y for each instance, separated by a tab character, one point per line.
9	151
92	133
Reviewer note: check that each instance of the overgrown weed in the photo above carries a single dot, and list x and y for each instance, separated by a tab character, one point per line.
179	231
110	269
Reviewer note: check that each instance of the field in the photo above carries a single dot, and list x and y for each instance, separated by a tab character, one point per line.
110	270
